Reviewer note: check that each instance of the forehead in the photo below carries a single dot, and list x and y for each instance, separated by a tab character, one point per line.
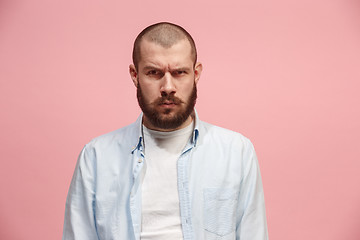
156	54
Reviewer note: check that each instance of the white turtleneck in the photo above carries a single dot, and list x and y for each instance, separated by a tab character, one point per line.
160	199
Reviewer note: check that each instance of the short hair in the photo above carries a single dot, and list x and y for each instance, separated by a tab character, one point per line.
166	35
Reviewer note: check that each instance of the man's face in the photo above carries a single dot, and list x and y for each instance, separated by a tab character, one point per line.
166	84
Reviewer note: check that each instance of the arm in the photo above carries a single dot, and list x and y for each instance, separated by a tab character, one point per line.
251	223
79	223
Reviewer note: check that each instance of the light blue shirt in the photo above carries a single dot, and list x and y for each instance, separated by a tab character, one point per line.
219	183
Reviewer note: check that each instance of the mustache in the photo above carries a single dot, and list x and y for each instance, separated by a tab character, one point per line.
167	99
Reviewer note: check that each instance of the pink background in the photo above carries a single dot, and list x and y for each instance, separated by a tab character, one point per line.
284	73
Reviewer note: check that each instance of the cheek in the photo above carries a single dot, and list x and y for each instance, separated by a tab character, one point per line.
187	89
150	91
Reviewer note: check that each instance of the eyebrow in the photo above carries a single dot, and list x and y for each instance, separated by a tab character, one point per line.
186	69
171	70
151	67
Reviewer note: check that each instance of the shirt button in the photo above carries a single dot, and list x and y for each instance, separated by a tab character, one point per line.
139	160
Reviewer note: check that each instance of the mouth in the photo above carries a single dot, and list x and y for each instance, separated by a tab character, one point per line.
167	104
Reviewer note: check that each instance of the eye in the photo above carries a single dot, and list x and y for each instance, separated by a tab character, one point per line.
153	72
179	72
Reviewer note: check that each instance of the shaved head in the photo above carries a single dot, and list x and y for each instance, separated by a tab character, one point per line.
164	34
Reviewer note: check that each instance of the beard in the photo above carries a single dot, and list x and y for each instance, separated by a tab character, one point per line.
167	118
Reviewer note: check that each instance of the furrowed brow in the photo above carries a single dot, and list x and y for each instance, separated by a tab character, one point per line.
186	69
151	67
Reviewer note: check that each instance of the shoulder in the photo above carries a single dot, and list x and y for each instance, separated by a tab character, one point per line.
110	149
212	132
121	137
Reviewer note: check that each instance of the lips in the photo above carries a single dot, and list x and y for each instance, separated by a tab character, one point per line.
168	103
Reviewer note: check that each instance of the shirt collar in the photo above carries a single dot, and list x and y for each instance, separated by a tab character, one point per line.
138	129
196	128
139	134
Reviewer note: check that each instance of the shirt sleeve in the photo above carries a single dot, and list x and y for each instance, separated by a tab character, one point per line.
79	222
251	224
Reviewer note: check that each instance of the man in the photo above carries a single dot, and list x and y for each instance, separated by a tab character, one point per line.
168	175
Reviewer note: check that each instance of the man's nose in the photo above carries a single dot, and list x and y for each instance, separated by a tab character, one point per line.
167	86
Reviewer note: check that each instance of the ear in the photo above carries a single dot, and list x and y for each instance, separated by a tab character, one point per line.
133	74
197	70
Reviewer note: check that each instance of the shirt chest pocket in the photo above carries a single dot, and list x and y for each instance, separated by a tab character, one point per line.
220	212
